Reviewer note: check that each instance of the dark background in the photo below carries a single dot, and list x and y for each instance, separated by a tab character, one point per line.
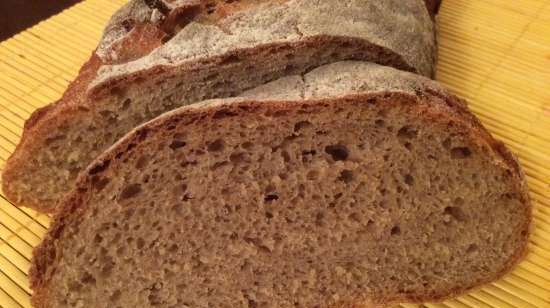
18	15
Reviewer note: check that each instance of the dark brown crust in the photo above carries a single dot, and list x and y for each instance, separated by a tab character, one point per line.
435	105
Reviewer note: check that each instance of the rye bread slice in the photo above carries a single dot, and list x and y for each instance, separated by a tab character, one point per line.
159	55
355	185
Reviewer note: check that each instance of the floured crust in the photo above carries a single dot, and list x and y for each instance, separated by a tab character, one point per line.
430	100
264	22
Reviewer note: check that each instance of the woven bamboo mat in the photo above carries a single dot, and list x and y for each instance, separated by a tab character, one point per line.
495	53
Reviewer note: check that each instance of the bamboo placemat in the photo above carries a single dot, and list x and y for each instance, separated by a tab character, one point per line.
495	53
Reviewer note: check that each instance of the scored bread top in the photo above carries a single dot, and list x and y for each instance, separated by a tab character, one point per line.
245	24
158	55
327	85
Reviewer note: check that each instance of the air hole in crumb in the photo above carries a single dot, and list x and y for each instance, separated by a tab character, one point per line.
271	197
78	139
319	217
100	183
238	157
406	132
87	278
173	248
98	239
80	251
51	140
379	123
471	248
115	296
301	125
216	146
395	230
313	175
270	188
209	77
252	304
455	212
126	104
247	145
268	215
140	243
409	179
460	152
130	191
408	145
142	162
447	143
107	269
346	176
286	156
186	197
355	217
106	113
219	165
458	201
337	152
176	144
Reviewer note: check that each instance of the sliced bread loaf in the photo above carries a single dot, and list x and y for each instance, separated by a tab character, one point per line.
158	55
354	185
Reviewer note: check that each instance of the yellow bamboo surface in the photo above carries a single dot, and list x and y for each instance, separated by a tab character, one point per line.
495	53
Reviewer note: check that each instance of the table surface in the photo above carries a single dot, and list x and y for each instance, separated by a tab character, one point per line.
494	53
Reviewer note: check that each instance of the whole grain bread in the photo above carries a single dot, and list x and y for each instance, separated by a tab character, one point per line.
354	185
158	55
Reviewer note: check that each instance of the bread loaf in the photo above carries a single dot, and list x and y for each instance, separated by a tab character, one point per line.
158	55
354	185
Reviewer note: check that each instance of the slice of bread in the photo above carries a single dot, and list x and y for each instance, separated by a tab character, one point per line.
355	185
159	55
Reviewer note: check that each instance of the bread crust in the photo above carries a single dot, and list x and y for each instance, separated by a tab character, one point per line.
141	29
430	101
